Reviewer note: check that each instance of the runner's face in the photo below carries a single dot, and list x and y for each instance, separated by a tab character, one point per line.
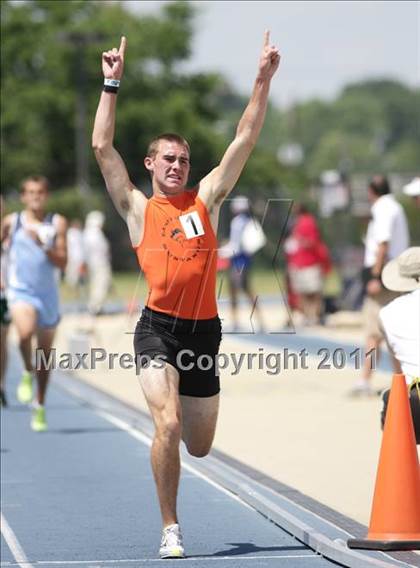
171	166
34	196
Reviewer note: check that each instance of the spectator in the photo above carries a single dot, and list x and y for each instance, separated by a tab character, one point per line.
400	321
293	306
98	260
241	260
76	267
305	264
386	238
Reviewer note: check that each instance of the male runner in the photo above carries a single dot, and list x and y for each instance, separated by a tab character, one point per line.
174	236
37	246
4	315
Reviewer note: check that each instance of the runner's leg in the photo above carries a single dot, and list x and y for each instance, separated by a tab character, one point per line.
252	298
24	317
45	337
160	388
199	418
233	291
3	364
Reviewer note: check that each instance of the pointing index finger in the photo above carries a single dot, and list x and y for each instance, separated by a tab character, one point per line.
266	38
123	44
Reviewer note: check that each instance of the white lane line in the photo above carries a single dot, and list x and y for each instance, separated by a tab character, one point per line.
14	545
148	441
165	561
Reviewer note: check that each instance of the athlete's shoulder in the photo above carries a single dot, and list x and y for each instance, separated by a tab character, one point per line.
9	219
8	223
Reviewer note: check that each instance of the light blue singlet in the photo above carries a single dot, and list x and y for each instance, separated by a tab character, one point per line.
32	278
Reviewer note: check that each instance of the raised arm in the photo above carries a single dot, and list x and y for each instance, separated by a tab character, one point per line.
217	185
127	202
58	252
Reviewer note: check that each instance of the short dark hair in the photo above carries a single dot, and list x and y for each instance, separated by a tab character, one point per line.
169	137
39	179
379	185
301	207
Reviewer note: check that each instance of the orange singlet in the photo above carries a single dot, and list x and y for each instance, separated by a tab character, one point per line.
178	256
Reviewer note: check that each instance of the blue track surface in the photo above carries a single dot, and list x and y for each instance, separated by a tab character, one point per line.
82	495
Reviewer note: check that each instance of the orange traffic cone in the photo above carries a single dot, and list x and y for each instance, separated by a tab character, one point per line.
395	517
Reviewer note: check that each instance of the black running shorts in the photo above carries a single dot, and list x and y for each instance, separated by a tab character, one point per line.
190	346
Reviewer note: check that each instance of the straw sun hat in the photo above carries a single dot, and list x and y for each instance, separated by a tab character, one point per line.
402	274
413	188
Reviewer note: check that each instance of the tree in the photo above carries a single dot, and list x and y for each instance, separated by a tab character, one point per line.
371	126
44	45
51	52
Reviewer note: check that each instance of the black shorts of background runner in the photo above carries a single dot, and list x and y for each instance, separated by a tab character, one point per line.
4	311
162	336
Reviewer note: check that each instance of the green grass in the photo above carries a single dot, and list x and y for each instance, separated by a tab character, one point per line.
124	286
266	282
127	286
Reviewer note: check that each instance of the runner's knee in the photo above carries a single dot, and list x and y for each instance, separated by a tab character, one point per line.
198	451
168	428
25	335
198	448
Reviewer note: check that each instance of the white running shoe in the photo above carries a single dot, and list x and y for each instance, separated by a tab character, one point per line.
171	545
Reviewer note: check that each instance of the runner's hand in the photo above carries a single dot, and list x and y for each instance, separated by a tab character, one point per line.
269	60
113	61
34	235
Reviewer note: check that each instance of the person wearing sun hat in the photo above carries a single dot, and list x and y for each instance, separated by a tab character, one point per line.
412	189
400	321
402	274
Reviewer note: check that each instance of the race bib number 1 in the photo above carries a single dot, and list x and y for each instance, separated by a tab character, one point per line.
192	225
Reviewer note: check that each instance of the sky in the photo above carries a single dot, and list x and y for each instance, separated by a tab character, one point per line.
324	45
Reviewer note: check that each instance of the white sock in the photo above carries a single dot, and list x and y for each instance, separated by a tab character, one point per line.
170	526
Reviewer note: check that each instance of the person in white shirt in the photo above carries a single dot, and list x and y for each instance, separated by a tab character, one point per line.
387	237
98	260
76	266
401	323
241	259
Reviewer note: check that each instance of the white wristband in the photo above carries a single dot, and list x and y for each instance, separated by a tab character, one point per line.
112	83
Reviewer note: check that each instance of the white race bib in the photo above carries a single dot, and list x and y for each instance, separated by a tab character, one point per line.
192	225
